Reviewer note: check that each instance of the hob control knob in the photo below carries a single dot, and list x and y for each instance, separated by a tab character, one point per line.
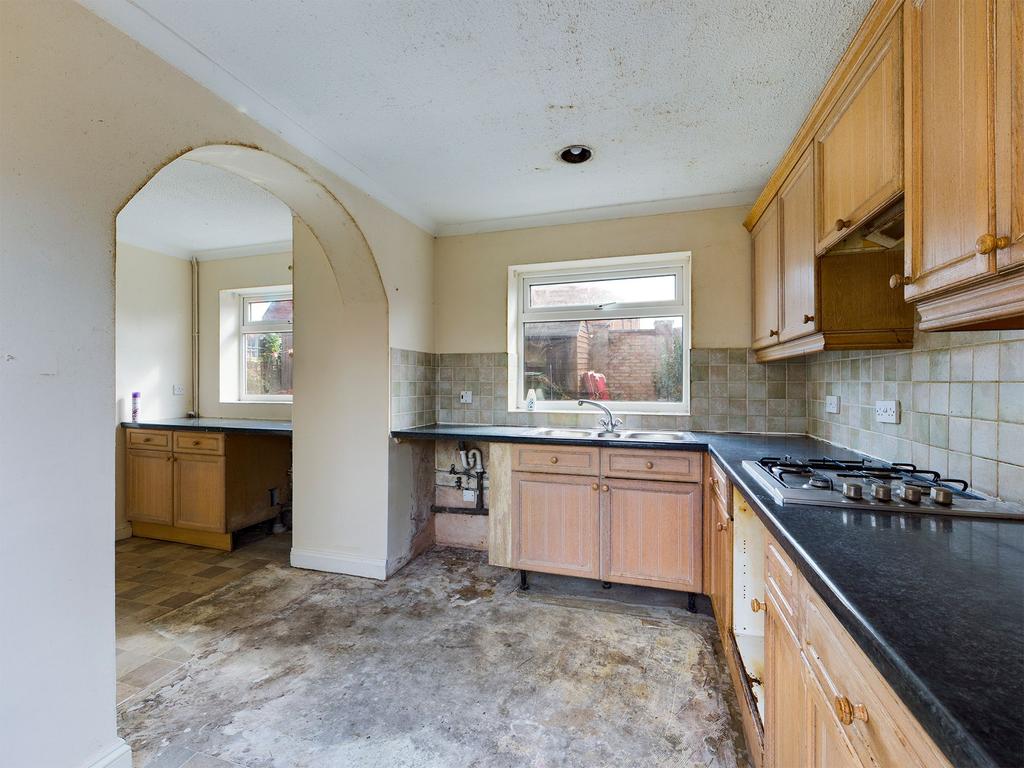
942	496
882	492
853	490
911	493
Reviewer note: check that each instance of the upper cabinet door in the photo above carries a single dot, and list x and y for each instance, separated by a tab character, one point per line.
859	148
796	218
1009	122
766	277
951	189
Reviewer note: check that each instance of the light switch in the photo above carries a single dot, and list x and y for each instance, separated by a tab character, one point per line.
466	396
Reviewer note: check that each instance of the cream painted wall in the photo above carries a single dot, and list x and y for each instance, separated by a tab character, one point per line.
152	347
214	277
88	116
471	272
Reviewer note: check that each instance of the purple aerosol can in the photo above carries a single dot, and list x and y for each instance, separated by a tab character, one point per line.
136	398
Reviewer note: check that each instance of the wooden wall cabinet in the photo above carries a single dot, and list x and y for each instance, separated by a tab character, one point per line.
629	516
965	165
766	243
796	230
859	147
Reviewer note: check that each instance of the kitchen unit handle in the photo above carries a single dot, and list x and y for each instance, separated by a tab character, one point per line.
897	280
989	243
757	606
842	224
720	526
772	332
195	442
595	486
604	488
147	439
847	712
808	319
649	465
554	459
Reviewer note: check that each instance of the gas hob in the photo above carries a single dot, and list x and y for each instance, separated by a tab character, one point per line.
872	485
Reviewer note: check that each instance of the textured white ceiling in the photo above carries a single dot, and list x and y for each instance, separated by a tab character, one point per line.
451	111
190	208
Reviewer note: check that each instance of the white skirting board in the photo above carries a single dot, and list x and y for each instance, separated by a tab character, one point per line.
334	562
119	757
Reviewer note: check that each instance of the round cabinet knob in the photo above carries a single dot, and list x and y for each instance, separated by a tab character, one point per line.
554	459
808	319
720	526
911	493
882	492
772	332
195	442
847	712
595	486
842	224
650	465
853	490
942	496
757	606
985	244
604	488
147	439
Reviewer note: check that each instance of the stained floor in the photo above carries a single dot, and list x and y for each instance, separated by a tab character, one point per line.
445	664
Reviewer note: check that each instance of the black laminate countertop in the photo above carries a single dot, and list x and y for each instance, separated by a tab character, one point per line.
238	426
936	602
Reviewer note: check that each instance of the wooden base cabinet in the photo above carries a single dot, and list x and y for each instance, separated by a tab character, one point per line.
200	487
784	690
608	514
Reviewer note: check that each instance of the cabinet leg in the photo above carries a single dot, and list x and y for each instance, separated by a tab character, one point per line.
524	582
606	585
691	602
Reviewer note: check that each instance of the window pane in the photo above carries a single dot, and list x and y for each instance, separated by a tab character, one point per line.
277	311
587	292
268	363
635	359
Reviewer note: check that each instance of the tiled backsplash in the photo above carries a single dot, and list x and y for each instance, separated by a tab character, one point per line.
413	388
962	398
729	391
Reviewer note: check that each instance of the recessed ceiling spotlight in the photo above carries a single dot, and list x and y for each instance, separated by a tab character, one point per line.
576	153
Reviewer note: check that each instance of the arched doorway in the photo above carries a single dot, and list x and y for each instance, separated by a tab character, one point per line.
340	413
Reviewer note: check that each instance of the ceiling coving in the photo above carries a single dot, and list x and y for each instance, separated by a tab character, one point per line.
447	111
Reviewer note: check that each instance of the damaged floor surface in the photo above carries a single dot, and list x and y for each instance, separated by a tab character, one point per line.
446	664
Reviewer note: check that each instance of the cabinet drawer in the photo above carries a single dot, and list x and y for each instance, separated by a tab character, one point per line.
556	459
781	575
199	442
681	466
880	728
149	439
719	483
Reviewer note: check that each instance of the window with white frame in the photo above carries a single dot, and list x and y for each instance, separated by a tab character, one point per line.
265	345
615	330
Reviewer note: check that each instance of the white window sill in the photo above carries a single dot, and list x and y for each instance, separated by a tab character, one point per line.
617	411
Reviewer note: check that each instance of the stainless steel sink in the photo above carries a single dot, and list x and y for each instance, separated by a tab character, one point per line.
669	437
579	434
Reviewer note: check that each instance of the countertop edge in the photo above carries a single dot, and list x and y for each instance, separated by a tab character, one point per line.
253	429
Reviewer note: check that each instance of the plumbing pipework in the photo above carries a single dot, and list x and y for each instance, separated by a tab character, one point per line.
472	467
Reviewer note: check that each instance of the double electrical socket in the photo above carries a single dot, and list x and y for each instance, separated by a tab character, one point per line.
831	403
466	396
887	411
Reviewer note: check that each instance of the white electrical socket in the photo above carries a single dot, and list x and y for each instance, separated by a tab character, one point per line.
466	396
469	495
178	389
831	403
887	411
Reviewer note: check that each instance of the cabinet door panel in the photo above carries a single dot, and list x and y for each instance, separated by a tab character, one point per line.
149	493
796	215
721	566
951	186
1009	121
859	148
766	277
555	524
827	746
652	534
784	690
199	492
